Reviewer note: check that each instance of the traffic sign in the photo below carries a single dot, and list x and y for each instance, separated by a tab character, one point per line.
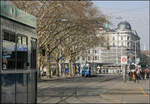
123	59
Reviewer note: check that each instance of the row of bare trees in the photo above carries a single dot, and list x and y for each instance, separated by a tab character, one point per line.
69	27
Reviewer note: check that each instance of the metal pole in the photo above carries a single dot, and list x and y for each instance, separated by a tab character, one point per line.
60	60
120	58
123	69
135	52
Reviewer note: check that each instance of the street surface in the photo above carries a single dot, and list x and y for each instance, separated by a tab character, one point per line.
98	89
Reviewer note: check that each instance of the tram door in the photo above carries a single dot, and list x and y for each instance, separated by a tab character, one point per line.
18	77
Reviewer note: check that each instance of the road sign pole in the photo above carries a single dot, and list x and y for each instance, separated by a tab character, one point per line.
124	72
123	66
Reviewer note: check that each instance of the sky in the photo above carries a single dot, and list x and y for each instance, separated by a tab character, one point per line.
135	12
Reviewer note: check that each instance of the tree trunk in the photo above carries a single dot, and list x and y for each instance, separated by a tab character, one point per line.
70	73
73	68
64	72
48	69
73	71
57	68
39	65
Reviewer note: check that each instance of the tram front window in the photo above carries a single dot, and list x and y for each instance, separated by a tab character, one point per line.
8	51
14	51
22	52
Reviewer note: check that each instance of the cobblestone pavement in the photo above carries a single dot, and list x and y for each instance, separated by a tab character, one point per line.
98	89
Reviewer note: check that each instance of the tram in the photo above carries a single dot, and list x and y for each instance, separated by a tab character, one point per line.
18	55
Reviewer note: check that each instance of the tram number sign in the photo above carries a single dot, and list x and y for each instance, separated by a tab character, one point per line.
123	59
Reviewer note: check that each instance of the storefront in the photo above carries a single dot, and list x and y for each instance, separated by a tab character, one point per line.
18	55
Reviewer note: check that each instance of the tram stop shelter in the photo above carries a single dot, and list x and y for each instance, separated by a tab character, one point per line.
18	55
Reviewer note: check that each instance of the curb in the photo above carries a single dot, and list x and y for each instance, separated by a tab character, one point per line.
59	78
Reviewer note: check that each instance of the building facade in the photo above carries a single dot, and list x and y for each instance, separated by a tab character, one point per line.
122	41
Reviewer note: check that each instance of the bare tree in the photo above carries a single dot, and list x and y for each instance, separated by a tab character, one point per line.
71	24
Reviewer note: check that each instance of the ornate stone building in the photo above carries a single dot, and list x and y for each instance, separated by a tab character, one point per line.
122	41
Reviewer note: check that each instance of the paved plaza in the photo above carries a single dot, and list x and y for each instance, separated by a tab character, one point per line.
99	89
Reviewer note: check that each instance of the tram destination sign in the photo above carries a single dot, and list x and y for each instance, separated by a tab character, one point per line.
9	11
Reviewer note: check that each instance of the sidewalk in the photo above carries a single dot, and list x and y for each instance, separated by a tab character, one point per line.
129	92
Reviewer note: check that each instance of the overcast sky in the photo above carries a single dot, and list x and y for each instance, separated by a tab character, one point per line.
135	12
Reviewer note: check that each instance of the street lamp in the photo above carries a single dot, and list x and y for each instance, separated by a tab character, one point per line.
60	49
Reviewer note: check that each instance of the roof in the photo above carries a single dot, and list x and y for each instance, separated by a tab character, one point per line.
124	25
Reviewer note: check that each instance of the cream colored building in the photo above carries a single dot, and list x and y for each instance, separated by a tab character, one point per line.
122	41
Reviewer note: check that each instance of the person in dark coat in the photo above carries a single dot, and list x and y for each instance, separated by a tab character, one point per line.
130	75
142	74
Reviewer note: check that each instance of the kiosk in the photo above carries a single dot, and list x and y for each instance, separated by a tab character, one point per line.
18	55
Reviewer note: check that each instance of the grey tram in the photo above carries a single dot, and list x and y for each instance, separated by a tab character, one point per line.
18	55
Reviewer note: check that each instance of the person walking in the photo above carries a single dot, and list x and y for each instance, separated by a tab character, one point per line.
130	75
138	74
147	73
142	74
134	76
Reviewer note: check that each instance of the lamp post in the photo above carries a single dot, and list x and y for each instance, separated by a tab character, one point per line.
135	42
60	50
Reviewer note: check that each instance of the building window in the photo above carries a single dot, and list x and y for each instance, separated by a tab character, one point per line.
128	44
83	58
93	57
89	58
88	51
113	38
121	37
128	38
78	57
95	51
113	44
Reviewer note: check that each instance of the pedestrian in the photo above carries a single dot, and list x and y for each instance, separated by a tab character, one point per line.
138	73
130	75
134	76
147	73
142	74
